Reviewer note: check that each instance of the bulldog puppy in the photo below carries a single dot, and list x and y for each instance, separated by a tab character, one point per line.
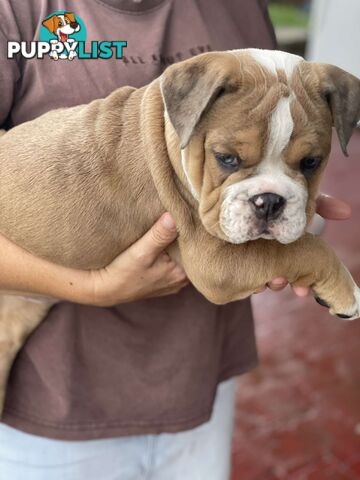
233	144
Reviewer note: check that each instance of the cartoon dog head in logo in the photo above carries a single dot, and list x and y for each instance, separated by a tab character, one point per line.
62	26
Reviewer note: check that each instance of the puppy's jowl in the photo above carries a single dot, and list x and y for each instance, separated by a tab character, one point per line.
233	144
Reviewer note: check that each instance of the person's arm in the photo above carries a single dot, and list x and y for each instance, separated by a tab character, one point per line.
143	270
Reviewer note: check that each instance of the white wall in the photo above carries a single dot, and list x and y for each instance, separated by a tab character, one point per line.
335	34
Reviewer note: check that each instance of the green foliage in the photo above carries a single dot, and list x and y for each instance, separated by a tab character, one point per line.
287	16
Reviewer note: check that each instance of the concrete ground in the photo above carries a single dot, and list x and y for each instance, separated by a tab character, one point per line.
298	414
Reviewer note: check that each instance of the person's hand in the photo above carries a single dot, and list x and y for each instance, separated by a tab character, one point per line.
144	270
330	208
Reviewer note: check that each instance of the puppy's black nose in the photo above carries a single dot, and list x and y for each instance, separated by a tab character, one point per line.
268	206
74	25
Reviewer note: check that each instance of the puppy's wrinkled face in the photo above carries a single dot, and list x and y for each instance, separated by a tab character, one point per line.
254	160
264	151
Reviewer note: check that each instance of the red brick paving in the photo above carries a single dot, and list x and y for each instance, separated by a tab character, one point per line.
298	414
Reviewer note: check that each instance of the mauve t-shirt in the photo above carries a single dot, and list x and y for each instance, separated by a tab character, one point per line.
153	365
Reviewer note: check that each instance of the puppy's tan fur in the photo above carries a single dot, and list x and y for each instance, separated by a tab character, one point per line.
79	185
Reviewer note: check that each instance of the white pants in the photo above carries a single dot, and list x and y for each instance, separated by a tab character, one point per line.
199	454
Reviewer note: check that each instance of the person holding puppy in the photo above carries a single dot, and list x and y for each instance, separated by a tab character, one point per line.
150	380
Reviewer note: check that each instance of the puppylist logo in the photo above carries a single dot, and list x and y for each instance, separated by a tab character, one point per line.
63	37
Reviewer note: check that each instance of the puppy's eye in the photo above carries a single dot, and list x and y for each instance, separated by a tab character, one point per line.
308	165
60	24
229	161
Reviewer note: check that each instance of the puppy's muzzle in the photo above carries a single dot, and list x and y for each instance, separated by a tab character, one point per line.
268	206
74	25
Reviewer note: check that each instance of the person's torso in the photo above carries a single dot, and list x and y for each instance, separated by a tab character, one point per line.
152	365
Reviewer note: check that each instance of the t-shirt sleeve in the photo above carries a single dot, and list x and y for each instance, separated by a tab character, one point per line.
9	72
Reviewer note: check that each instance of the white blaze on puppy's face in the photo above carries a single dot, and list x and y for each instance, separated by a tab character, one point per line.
237	218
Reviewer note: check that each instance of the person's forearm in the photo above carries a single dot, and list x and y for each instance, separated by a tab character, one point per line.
21	272
129	277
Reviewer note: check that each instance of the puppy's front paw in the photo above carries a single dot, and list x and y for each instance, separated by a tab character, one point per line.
354	312
351	312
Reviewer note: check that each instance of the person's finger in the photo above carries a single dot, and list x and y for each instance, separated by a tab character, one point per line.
155	240
332	208
277	284
301	291
167	269
178	274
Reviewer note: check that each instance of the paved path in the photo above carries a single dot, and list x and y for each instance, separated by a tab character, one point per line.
298	415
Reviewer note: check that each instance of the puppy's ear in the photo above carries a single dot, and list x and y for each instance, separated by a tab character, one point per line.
50	23
70	16
190	88
342	92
